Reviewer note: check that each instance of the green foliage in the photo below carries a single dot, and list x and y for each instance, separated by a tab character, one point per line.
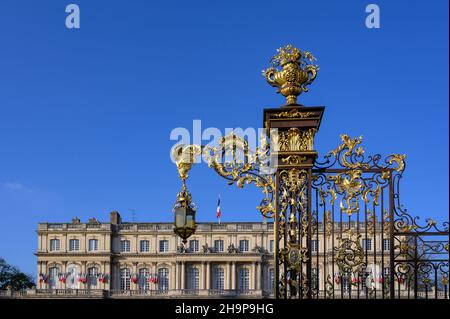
12	278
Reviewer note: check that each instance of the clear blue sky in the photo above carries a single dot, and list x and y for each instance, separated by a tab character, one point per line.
85	115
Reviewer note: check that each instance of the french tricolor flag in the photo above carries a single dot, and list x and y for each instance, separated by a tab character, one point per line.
218	212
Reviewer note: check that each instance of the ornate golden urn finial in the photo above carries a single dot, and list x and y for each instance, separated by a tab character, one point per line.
298	71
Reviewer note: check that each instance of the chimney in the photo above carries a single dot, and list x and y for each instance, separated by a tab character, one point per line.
114	218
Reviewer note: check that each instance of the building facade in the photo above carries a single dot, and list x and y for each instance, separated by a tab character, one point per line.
148	259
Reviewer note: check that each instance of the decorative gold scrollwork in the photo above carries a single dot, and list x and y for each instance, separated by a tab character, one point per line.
293	159
244	167
350	184
350	255
294	113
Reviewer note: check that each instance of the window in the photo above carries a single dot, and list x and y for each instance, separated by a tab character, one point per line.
92	277
315	278
53	277
143	276
124	245
93	244
125	276
163	279
244	279
243	245
386	272
314	246
144	246
367	244
163	246
54	244
386	244
193	246
72	276
218	245
271	279
74	244
218	278
271	243
193	278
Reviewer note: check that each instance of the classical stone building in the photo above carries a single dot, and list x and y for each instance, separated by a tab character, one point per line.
122	257
147	259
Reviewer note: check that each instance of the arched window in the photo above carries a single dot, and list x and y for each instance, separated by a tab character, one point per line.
143	276
218	278
53	277
163	279
92	277
244	279
125	276
193	278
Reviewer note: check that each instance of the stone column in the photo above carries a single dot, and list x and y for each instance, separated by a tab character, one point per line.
233	275
253	277
258	276
203	276
177	276
208	275
228	276
183	272
172	283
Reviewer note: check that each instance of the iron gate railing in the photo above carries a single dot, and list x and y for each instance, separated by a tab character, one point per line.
344	234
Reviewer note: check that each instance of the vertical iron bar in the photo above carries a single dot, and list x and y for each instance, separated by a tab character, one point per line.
276	255
392	237
308	237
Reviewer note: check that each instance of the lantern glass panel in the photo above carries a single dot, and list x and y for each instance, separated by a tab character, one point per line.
180	217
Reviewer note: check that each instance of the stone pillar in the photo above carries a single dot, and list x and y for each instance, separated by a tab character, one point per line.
233	275
258	284
177	276
203	276
183	273
253	277
208	275
172	283
154	272
228	276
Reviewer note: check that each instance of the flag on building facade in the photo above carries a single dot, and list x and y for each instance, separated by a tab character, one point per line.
218	212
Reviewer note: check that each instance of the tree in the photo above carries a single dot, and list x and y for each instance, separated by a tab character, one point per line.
11	277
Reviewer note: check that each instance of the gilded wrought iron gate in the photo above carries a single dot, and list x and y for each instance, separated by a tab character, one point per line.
344	234
339	228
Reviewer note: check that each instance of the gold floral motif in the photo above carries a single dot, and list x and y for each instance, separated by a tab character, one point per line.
293	159
298	70
294	113
350	185
294	140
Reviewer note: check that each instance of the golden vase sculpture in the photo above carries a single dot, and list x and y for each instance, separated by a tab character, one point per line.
298	69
